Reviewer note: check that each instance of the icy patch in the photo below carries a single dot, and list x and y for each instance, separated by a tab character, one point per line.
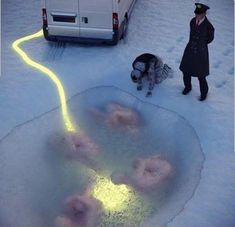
36	177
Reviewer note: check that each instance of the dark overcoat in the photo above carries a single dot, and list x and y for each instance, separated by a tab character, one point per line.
195	60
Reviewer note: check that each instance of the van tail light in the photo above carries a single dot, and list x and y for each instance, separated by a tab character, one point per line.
115	21
44	16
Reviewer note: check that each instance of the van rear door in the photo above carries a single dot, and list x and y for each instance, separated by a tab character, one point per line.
96	19
63	17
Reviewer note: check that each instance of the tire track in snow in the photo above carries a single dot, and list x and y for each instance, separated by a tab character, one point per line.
56	51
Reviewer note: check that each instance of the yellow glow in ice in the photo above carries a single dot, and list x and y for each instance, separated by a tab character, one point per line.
113	197
49	73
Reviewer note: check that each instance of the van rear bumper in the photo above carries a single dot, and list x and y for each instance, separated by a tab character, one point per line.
112	41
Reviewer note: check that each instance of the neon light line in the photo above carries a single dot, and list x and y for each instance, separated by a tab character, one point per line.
49	73
104	185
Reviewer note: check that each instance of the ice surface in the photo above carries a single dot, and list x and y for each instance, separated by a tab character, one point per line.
36	177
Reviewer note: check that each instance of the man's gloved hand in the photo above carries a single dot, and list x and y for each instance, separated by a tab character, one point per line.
139	87
149	93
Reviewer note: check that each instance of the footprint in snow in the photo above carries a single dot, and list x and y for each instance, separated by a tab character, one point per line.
221	84
227	52
217	64
170	49
231	71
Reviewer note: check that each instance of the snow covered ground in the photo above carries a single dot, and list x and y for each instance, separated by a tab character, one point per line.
156	26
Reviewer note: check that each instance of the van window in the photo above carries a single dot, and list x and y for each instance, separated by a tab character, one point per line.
68	19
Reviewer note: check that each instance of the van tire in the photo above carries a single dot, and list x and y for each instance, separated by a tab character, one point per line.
46	35
115	39
112	43
124	28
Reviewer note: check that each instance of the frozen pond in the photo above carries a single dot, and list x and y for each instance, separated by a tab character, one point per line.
36	177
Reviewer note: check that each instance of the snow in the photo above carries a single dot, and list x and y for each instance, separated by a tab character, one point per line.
27	97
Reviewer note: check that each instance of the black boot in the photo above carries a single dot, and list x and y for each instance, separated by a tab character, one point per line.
203	97
203	88
187	84
186	90
148	94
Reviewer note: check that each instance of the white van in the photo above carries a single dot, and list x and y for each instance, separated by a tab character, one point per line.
86	20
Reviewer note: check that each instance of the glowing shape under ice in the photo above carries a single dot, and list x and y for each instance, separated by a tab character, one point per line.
113	197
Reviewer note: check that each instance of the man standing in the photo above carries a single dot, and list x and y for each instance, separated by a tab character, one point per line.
195	61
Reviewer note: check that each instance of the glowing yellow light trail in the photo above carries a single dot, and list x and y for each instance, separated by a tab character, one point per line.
49	73
114	197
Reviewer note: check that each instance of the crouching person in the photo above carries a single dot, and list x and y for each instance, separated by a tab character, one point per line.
151	68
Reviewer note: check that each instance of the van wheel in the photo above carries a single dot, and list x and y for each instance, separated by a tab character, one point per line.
124	28
46	35
115	39
112	43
